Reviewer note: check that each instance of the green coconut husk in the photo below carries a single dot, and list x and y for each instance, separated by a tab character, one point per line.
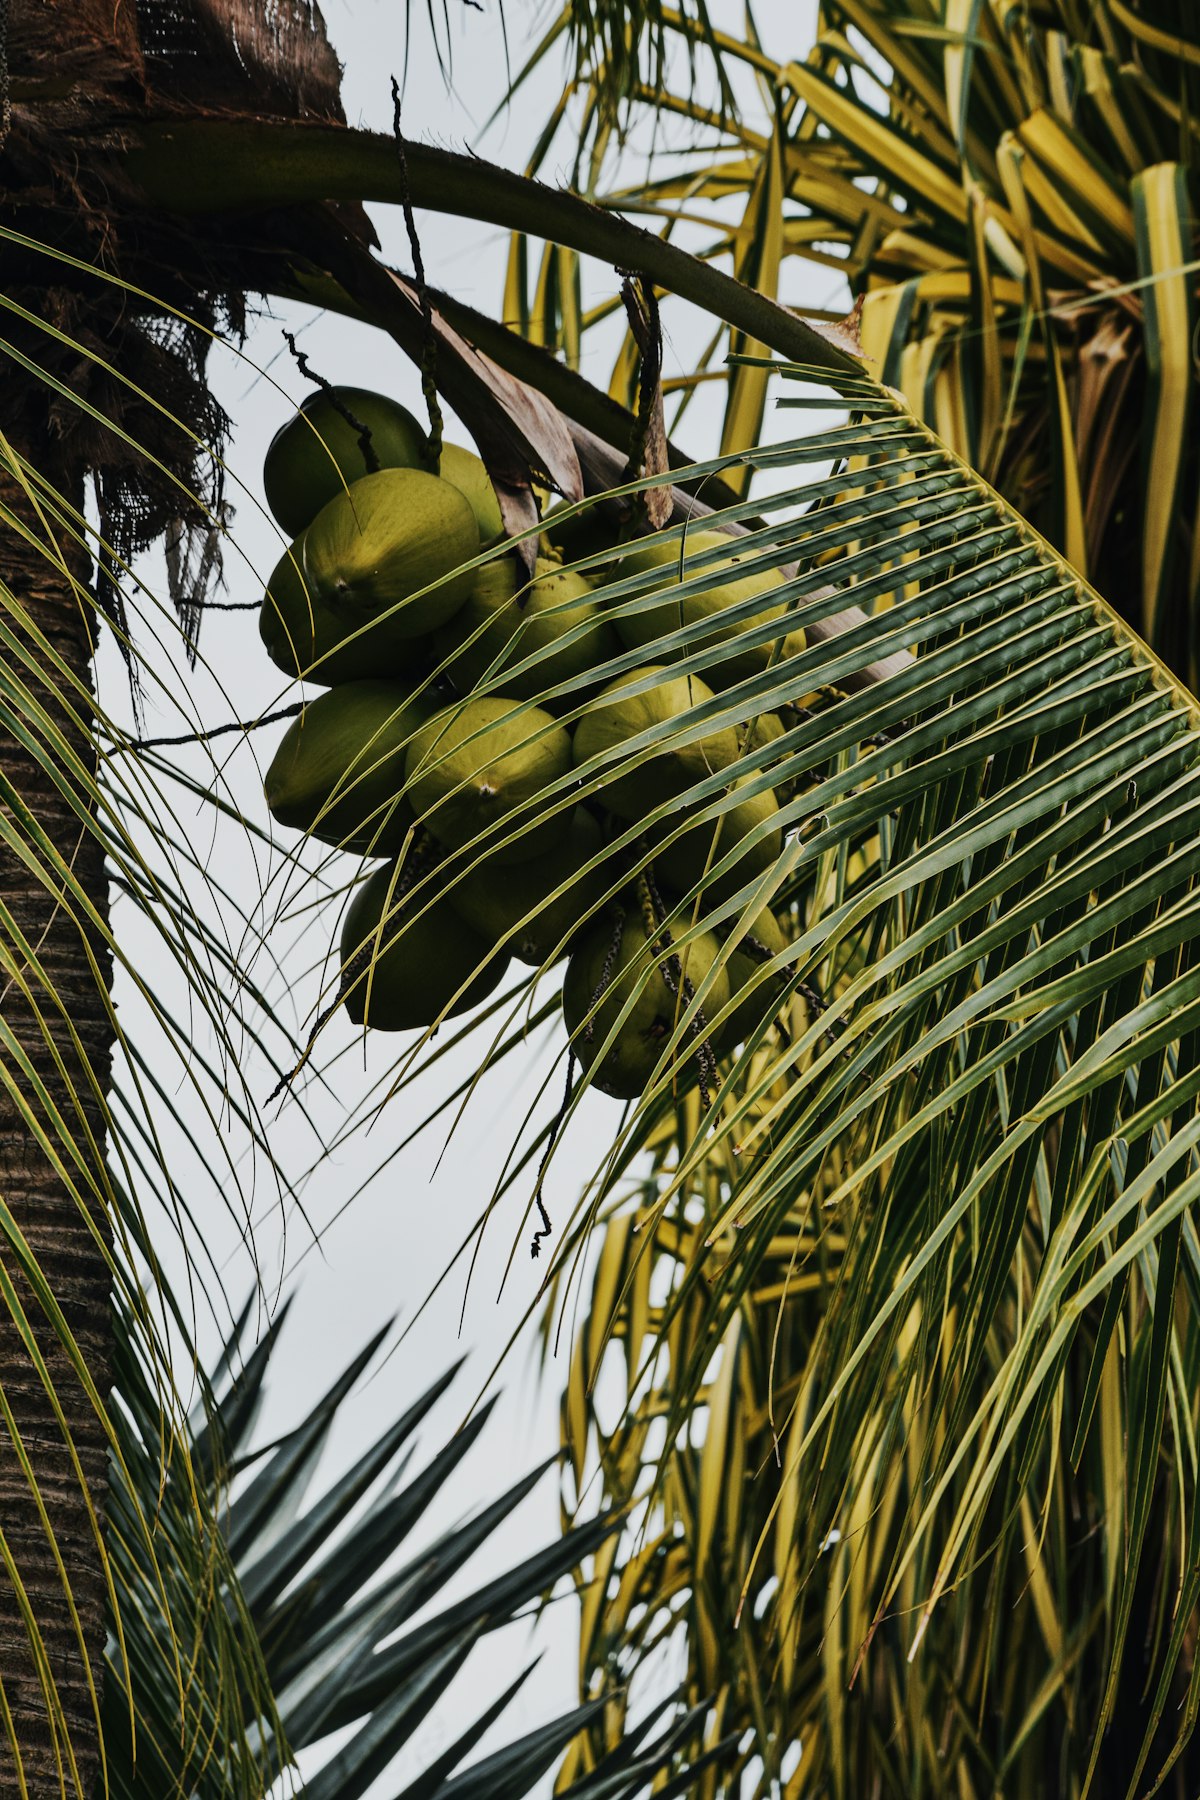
312	641
464	470
518	904
687	861
339	768
505	621
291	621
573	538
388	554
765	728
405	978
642	630
479	762
317	454
615	718
757	995
628	1064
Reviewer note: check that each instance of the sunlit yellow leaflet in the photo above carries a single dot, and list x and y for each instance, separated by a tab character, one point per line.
1164	240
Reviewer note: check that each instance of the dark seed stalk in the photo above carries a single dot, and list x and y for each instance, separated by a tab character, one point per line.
429	348
339	406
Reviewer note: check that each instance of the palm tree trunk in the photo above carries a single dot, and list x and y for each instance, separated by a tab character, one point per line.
78	74
55	1057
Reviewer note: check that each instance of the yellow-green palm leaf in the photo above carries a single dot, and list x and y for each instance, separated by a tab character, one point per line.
1012	199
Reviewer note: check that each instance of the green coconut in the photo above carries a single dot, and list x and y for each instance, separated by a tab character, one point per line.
464	470
685	862
520	898
642	630
757	995
504	622
422	957
586	533
768	729
370	554
290	620
478	763
313	641
339	768
658	775
631	1059
756	733
317	455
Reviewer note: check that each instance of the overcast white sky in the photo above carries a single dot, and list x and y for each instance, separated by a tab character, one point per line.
380	1257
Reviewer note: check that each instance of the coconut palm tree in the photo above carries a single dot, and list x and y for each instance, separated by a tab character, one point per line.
940	1197
112	287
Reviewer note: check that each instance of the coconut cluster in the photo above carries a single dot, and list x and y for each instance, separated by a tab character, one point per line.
506	822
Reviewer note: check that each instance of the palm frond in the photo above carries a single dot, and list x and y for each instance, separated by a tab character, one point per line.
299	1622
623	50
1009	200
960	1137
183	1660
927	1264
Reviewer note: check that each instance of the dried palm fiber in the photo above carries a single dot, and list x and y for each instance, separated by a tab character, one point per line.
81	79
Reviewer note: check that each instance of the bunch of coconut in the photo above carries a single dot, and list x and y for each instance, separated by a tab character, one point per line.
431	750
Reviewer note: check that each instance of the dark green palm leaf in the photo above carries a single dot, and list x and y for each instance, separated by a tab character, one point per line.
309	1598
